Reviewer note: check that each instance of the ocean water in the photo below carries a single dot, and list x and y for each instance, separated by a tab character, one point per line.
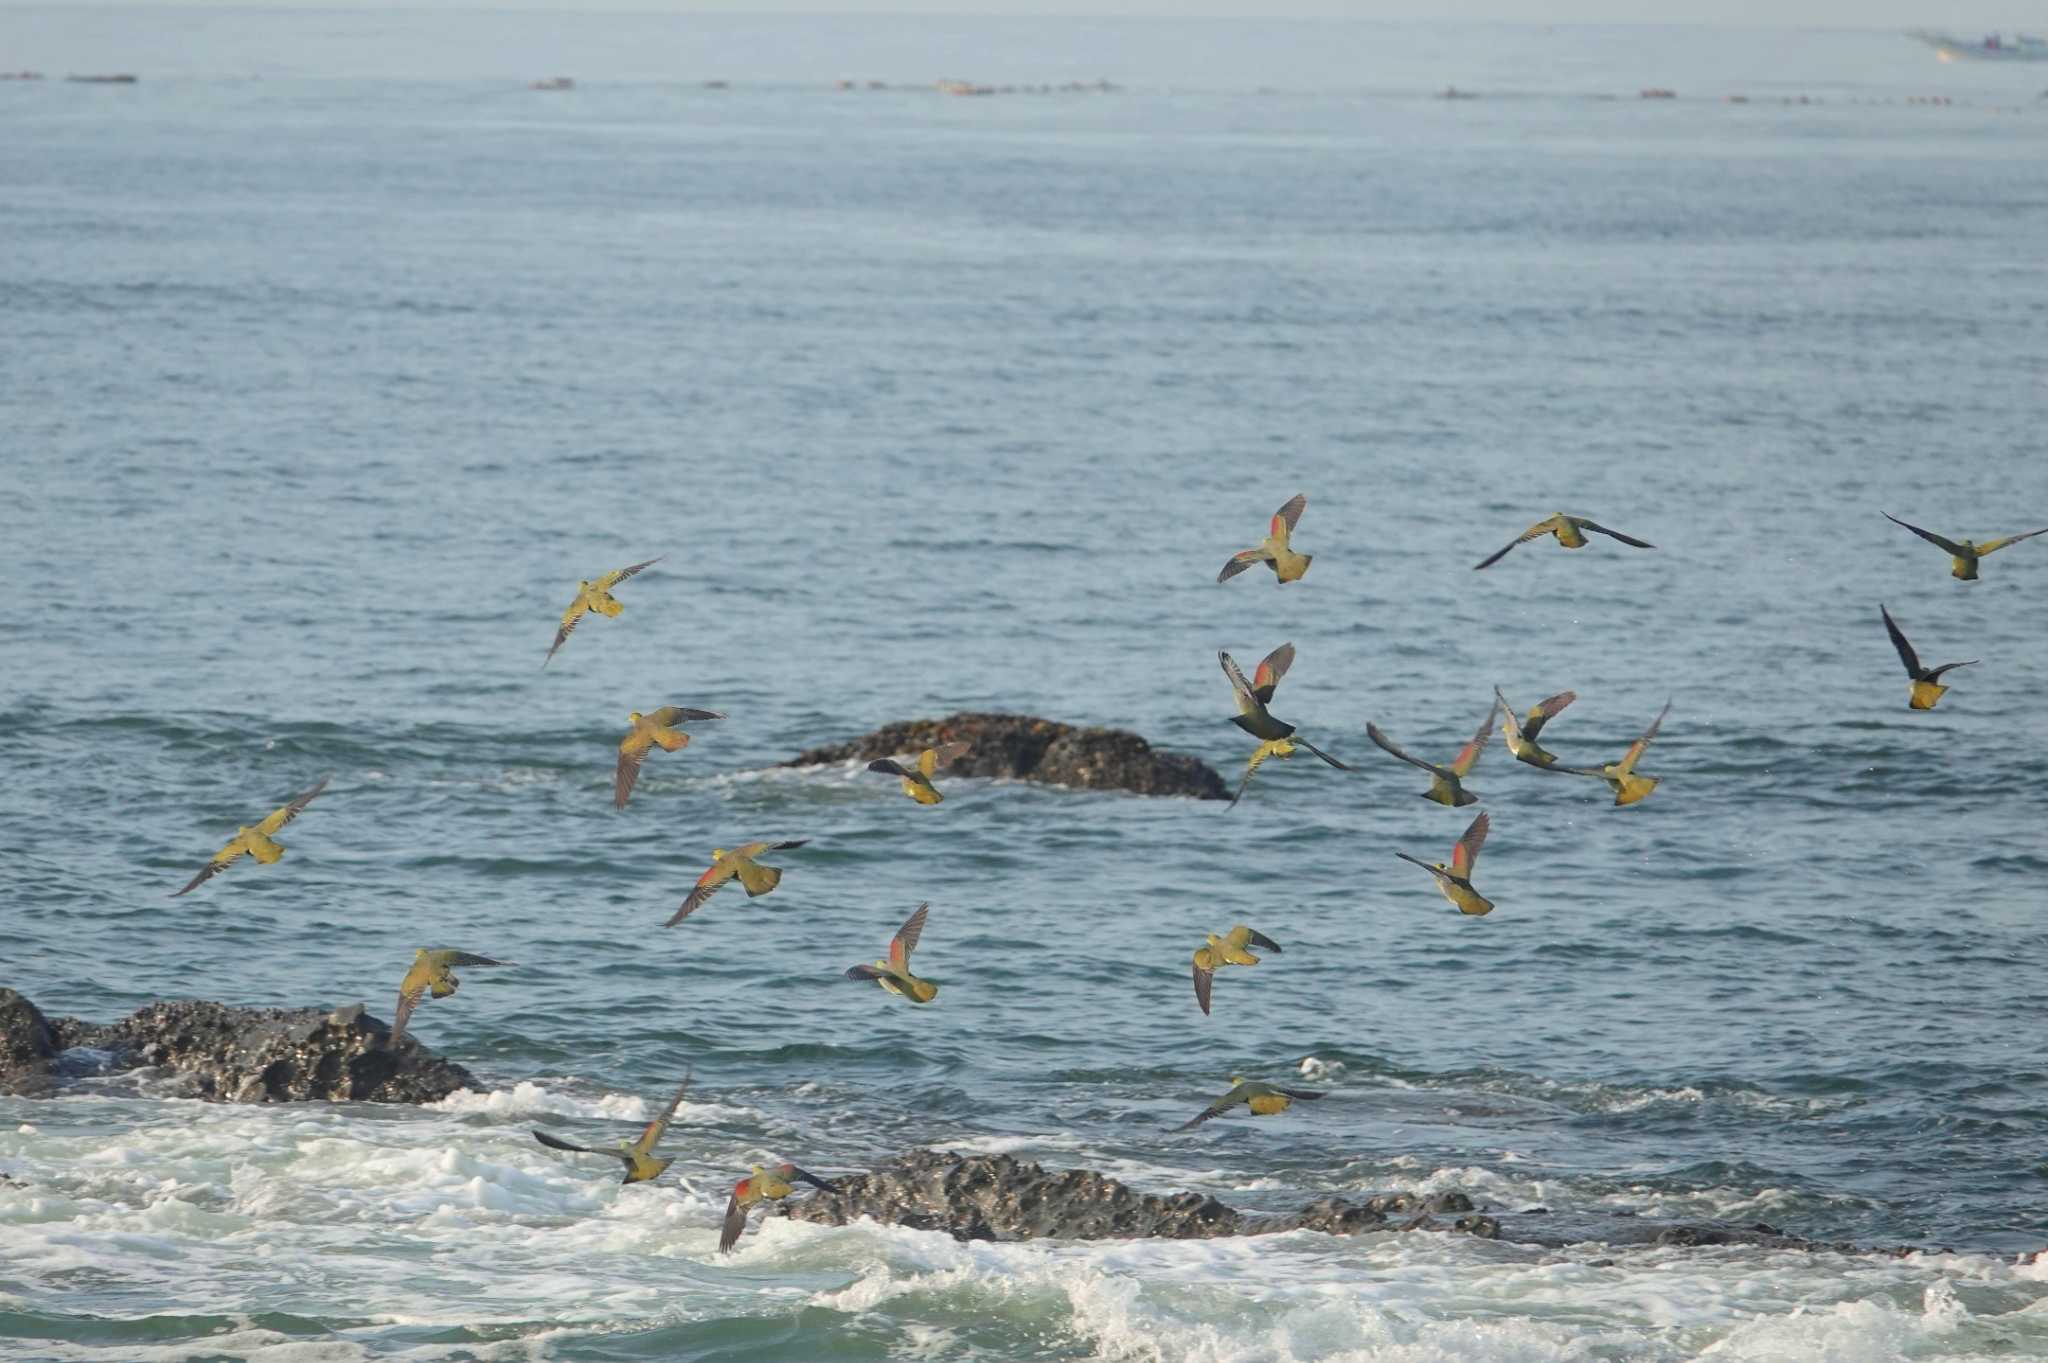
334	357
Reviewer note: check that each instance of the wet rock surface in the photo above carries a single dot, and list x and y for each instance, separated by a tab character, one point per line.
1021	747
28	1048
244	1055
997	1197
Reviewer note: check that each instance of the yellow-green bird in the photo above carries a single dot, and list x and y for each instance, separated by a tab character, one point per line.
433	971
593	596
1963	554
1621	776
1926	684
1264	1100
1521	733
636	1155
1446	784
894	974
257	841
1287	565
1279	738
1570	533
1229	949
1455	880
738	864
917	778
660	729
762	1185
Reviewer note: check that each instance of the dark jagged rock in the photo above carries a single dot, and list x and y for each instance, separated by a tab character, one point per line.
246	1055
996	1197
28	1048
1020	747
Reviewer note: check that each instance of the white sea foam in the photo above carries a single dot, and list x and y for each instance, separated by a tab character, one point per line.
438	1219
526	1099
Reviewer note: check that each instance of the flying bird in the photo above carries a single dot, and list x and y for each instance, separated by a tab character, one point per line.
1446	784
762	1185
1521	733
1569	531
1229	949
1287	565
739	863
1279	738
1455	880
432	970
636	1155
593	596
662	728
1927	688
1263	1099
1963	554
894	974
1621	776
917	778
256	842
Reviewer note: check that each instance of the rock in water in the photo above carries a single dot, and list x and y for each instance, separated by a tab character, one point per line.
996	1197
28	1049
1020	747
245	1055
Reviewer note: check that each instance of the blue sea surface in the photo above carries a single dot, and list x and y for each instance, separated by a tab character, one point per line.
334	356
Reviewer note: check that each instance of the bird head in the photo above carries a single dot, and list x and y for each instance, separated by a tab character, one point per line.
633	717
1236	1079
717	852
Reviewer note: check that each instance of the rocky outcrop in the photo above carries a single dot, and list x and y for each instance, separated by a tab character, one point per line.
28	1049
243	1055
996	1197
1021	747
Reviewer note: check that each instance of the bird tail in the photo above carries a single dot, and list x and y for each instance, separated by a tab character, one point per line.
263	849
1926	693
924	795
1632	788
607	606
1293	571
671	740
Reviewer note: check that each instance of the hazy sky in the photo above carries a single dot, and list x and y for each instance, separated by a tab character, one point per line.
1967	16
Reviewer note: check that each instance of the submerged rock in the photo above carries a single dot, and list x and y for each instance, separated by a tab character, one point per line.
1021	747
244	1055
996	1197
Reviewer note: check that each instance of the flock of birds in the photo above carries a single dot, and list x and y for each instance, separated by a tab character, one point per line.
432	973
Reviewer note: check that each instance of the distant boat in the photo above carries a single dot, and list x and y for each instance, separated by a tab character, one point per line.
553	83
102	80
2020	47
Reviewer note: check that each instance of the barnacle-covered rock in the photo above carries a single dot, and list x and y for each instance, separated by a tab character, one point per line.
1022	747
998	1197
246	1055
